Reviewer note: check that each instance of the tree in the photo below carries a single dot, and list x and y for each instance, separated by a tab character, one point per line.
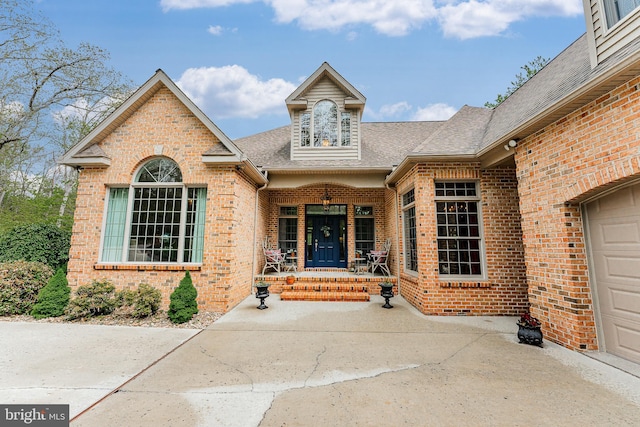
40	74
50	97
530	69
184	304
53	298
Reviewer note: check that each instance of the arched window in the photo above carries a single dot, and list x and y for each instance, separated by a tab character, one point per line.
157	219
327	129
325	124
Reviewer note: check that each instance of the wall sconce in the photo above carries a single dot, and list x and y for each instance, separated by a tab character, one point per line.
326	200
511	144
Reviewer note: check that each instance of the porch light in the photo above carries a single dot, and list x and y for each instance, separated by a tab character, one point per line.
326	200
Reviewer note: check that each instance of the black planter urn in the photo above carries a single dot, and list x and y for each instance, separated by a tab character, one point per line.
262	292
386	291
530	335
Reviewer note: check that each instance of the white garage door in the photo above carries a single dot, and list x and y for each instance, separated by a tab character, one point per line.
614	236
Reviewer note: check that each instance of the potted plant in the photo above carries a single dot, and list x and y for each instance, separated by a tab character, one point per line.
529	331
262	292
386	292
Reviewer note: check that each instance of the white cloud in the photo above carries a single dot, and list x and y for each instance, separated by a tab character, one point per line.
461	19
195	4
395	110
216	30
231	91
405	111
476	18
434	112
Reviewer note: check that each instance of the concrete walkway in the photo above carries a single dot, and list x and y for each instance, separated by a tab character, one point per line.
314	364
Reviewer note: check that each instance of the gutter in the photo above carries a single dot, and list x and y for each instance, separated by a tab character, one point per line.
255	228
413	158
583	90
397	222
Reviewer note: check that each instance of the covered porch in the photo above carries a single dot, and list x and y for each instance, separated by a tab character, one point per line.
326	285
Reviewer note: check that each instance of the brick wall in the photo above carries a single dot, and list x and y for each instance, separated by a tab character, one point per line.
504	291
591	150
311	195
164	125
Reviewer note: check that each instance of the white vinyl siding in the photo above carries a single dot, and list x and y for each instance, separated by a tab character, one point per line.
607	30
325	89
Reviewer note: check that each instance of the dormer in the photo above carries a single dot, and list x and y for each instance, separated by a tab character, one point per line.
325	113
611	24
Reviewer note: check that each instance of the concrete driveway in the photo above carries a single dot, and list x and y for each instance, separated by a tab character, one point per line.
313	364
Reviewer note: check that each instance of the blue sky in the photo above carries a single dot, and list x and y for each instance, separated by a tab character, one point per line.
239	59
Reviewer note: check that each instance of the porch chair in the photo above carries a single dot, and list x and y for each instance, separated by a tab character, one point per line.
379	259
273	258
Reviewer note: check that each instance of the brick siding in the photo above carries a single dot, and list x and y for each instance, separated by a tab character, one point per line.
581	155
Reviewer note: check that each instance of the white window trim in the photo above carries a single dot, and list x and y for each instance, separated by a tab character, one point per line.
610	31
404	208
483	252
124	260
311	113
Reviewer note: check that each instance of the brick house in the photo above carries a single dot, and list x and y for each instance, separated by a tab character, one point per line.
532	205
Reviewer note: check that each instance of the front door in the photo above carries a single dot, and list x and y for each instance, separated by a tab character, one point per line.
326	239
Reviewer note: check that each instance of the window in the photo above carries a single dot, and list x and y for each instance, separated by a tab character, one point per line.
458	229
155	219
328	129
410	233
365	229
345	139
288	229
305	129
325	124
615	10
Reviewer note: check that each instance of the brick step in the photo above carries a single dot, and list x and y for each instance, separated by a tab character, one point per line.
326	287
300	295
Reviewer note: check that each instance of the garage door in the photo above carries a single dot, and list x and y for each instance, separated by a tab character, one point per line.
614	237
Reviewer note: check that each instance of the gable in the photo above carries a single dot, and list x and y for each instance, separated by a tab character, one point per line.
325	118
82	154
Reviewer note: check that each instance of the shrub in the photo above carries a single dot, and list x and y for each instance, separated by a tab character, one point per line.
183	304
95	299
145	301
20	282
53	298
36	242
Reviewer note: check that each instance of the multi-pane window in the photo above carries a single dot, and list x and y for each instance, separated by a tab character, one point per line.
288	229
327	127
156	219
410	231
345	129
615	10
458	229
365	229
325	124
305	129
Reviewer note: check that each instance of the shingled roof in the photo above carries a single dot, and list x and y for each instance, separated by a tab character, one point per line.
383	146
563	85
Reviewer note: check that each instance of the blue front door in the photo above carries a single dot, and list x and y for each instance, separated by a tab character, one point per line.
326	243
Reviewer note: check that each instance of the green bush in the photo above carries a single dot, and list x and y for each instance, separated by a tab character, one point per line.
20	282
44	243
53	298
183	304
144	302
95	299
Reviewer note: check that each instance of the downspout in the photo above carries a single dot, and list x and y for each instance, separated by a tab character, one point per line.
255	230
395	209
